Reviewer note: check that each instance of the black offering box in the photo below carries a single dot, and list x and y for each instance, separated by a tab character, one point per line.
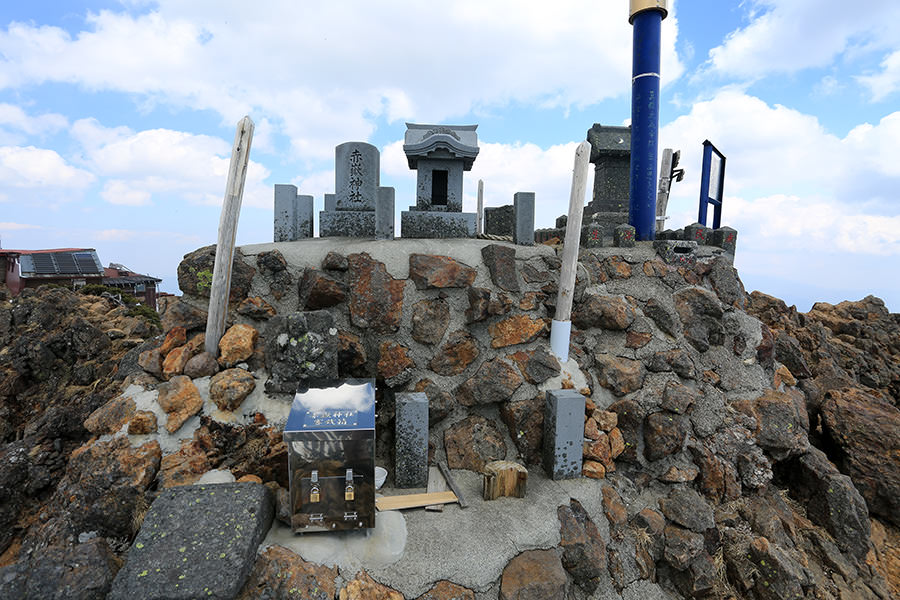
330	435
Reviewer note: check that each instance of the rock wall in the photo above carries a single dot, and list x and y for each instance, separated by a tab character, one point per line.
737	447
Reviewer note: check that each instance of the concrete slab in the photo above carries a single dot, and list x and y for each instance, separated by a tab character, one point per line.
197	541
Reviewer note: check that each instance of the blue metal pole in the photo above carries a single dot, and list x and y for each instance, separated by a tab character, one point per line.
645	120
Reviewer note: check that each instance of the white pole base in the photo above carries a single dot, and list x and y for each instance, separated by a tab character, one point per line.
560	333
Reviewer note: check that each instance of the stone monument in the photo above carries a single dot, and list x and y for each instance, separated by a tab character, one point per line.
611	155
440	154
351	210
293	214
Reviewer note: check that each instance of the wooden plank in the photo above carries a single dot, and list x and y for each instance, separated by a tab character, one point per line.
504	478
449	478
228	222
436	483
414	500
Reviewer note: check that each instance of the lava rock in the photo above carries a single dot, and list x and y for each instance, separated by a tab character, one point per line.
376	298
229	388
430	271
584	551
472	443
430	319
300	346
495	381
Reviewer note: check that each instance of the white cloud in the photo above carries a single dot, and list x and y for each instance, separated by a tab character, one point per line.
16	124
164	164
30	167
323	73
886	82
785	36
788	181
16	226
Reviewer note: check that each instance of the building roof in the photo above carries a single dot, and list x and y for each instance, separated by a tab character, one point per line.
117	274
609	140
448	142
65	262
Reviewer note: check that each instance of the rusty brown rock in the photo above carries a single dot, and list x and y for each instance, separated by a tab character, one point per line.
524	420
867	430
616	267
430	271
619	375
280	573
637	339
495	381
472	443
110	417
151	362
430	319
655	268
606	420
376	298
593	469
456	355
237	345
518	329
781	424
177	336
591	431
445	590
533	575
176	360
678	398
537	366
394	363
630	418
679	474
664	434
616	442
682	546
185	466
614	509
598	450
318	290
229	388
363	587
531	300
180	399
256	308
143	422
608	312
584	551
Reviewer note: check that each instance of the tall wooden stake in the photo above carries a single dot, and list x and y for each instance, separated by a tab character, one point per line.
561	327
479	216
231	210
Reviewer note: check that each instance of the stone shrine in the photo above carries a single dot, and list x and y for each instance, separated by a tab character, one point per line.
440	154
611	155
351	210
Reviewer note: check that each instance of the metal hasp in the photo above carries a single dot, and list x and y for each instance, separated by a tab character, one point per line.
712	184
646	16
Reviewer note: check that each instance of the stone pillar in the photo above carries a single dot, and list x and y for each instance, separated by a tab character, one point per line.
356	176
523	212
499	220
411	440
563	434
384	214
725	238
293	214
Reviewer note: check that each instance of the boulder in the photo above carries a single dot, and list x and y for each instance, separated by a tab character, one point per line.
495	381
685	507
456	354
440	402
280	573
609	312
318	290
273	268
620	375
664	434
201	365
300	346
395	366
256	308
376	298
473	442
501	262
237	345
524	420
533	575
430	319
584	551
701	314
229	388
196	270
363	587
430	271
180	399
110	417
537	366
866	429
518	329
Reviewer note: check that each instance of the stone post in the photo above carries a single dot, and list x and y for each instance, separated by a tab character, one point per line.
563	434
411	440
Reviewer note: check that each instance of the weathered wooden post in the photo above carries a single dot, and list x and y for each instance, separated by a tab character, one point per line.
561	328
228	222
479	215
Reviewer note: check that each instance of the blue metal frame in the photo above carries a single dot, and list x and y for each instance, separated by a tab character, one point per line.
705	177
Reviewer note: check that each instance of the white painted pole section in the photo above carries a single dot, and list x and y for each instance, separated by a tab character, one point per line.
561	326
228	222
479	216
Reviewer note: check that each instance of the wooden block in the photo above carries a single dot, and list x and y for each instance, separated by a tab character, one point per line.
436	483
504	478
414	500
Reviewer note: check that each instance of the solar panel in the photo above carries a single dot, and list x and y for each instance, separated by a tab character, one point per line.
43	264
86	263
65	262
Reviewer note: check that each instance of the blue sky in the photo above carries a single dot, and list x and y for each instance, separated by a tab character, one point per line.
117	117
